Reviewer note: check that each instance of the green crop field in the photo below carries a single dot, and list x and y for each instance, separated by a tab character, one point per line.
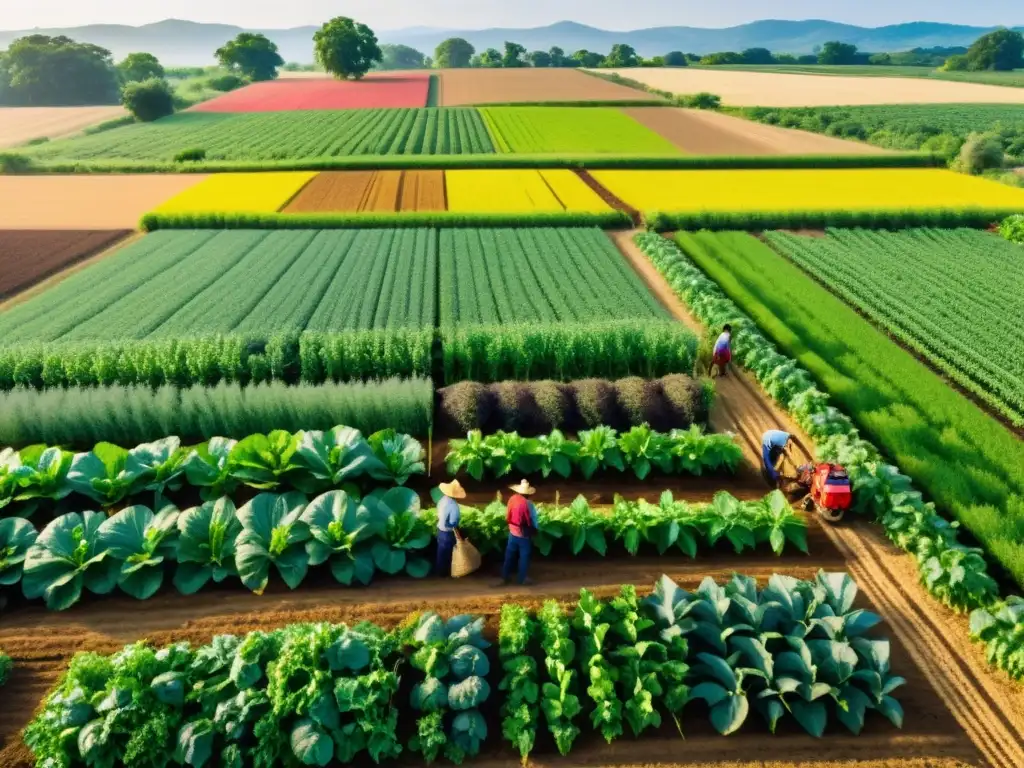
283	136
572	130
530	275
968	462
953	296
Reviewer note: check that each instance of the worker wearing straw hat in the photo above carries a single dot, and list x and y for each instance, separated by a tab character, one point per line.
521	516
448	517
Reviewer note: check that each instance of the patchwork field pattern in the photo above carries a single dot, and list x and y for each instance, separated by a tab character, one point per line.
462	87
572	130
283	135
497	276
21	124
520	191
28	256
954	296
371	191
896	189
239	193
372	92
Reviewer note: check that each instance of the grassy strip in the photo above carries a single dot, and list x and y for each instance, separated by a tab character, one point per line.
615	77
563	351
944	218
14	164
587	103
433	91
84	416
440	219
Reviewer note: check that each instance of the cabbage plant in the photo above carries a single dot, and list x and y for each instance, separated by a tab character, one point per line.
330	459
265	461
208	467
160	464
207	541
341	531
9	463
42	473
404	533
398	456
273	534
141	542
67	557
104	474
17	535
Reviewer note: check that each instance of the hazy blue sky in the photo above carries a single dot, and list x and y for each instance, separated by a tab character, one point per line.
610	14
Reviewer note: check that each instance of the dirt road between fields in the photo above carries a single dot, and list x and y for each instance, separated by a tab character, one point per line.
701	132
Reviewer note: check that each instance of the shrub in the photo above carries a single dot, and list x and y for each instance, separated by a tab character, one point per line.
981	152
463	406
596	402
702	100
225	83
1012	229
516	409
190	155
12	162
148	100
554	405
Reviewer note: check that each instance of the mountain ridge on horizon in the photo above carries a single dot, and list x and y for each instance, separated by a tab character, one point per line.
180	42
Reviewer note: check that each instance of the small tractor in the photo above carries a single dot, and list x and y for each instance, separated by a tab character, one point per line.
828	490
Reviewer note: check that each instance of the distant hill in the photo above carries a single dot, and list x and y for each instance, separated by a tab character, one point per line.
184	42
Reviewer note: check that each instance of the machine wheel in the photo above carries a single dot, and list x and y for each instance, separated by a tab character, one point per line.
830	515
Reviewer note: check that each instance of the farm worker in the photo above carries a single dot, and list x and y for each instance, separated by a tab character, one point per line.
723	351
521	517
776	445
448	517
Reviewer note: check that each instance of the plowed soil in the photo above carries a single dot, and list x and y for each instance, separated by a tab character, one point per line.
28	256
461	87
86	202
369	191
700	132
21	124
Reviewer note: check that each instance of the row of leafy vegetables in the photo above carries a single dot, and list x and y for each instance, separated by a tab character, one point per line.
954	573
137	549
308	461
641	450
313	694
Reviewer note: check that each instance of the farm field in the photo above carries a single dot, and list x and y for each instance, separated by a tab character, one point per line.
1014	79
239	193
282	135
571	130
896	189
466	87
936	291
28	256
85	202
21	124
703	132
374	191
373	92
968	462
520	191
522	275
762	89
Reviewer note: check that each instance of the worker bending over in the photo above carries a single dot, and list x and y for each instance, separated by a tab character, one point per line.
776	447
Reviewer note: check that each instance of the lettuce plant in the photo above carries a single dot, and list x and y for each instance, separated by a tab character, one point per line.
9	463
67	557
404	534
273	534
17	535
341	533
141	542
159	465
208	536
1001	627
643	449
599	450
264	461
330	459
519	682
398	456
42	473
103	474
470	453
555	453
208	468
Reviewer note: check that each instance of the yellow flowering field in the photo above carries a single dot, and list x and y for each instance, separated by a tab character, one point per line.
519	191
239	193
806	190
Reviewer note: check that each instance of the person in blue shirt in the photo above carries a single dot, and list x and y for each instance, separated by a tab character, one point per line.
774	446
448	517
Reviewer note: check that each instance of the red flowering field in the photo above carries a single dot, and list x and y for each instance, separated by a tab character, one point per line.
296	94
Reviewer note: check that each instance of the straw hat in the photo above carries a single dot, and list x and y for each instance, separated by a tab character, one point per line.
453	489
524	488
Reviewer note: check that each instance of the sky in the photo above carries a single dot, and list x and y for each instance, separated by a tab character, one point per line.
475	14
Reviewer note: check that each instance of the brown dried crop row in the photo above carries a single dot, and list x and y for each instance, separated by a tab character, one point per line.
422	191
382	194
29	256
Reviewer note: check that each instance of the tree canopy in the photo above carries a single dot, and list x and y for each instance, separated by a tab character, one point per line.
345	48
148	100
588	59
513	56
454	53
540	59
401	57
1002	50
39	70
136	67
489	59
834	52
251	55
622	55
675	59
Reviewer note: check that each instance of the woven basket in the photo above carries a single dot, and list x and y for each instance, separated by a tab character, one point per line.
465	559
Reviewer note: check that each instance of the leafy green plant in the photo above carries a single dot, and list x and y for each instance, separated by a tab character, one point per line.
6	665
400	456
42	473
559	700
332	459
208	467
470	453
519	682
1001	628
404	535
207	545
644	449
341	531
273	534
599	450
141	541
263	461
16	537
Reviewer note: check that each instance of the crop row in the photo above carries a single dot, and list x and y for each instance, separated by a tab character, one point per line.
938	292
313	694
641	450
355	537
954	573
310	461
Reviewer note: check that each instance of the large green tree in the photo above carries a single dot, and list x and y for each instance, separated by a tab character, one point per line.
401	57
454	53
835	52
539	59
345	48
136	67
1002	50
675	59
39	70
148	100
489	59
622	55
588	59
513	56
251	55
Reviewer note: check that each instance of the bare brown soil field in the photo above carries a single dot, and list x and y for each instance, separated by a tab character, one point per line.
764	89
700	132
21	124
461	87
85	202
366	191
28	256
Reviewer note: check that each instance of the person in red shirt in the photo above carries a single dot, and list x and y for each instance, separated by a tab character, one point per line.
521	516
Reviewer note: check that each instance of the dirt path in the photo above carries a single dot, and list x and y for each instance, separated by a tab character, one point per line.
699	132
